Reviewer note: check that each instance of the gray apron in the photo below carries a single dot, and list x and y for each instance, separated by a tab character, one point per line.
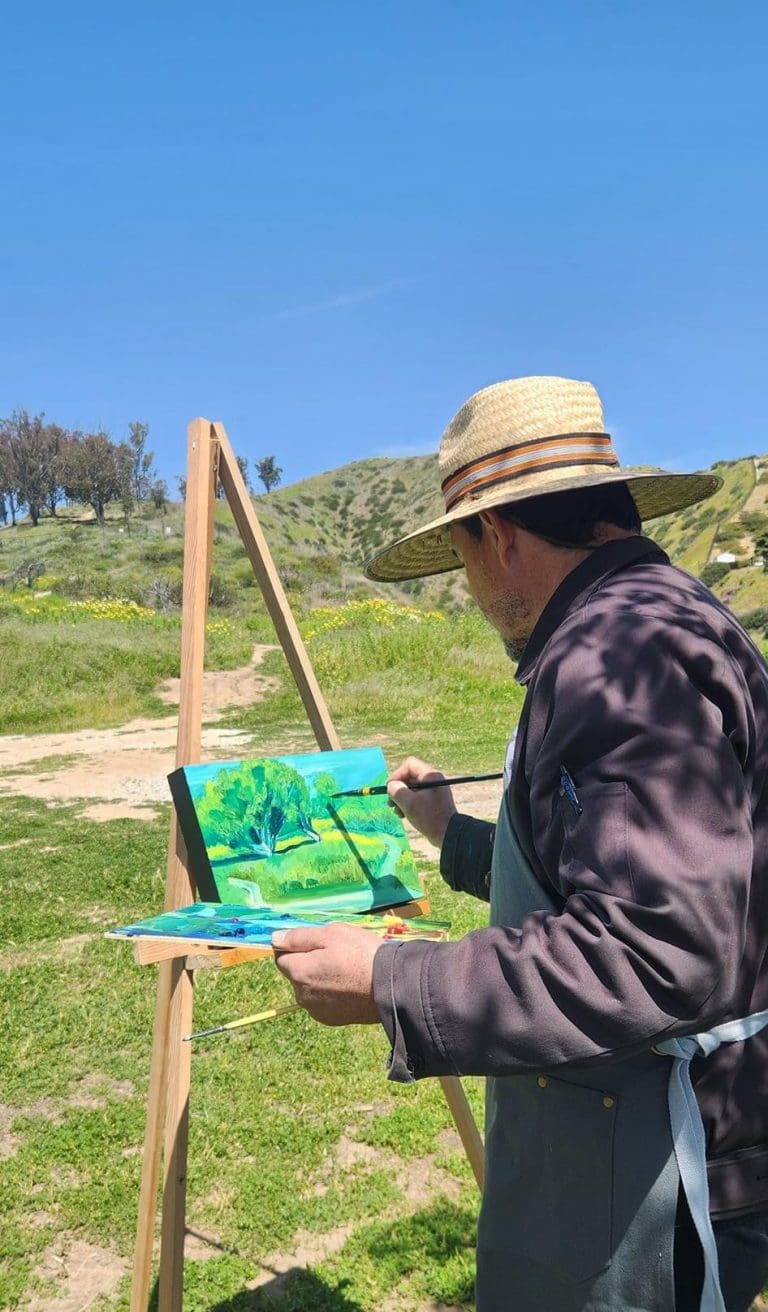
581	1184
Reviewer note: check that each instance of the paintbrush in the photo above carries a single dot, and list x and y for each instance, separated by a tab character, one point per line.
272	1014
378	790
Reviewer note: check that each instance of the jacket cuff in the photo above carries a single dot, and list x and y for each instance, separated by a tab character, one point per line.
400	992
466	855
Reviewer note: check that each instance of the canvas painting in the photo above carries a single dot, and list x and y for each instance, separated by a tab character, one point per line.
280	833
229	926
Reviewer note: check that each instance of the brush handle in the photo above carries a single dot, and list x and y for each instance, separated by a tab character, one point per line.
271	1014
460	779
379	790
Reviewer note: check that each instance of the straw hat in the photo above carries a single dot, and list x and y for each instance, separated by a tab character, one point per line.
519	439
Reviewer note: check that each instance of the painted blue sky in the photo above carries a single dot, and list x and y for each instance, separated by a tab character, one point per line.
354	767
326	225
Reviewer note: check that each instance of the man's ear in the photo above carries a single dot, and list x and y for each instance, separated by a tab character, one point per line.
501	532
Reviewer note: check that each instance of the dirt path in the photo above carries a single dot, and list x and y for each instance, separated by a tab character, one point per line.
756	503
121	773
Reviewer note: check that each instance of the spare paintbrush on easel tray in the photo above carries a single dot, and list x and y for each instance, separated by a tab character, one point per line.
272	1013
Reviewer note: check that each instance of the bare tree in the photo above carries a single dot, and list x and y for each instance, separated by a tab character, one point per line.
8	488
242	465
92	471
32	447
142	472
269	472
159	495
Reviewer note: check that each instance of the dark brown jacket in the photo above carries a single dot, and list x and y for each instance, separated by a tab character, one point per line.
647	690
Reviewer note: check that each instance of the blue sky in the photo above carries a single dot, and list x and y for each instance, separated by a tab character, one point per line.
327	224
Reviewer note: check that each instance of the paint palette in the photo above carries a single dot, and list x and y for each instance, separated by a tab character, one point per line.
231	926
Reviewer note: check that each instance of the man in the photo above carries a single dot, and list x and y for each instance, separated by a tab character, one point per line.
627	878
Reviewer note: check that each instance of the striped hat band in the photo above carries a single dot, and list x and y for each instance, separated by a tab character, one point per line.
557	452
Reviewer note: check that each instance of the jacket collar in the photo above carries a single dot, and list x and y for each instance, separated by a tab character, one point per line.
584	579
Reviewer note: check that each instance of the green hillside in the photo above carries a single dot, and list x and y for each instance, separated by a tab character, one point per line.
329	525
322	529
690	536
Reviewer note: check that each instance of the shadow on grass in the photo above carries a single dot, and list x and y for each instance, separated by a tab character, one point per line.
429	1255
436	1245
294	1291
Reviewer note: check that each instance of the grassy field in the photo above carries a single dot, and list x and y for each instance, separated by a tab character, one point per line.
297	1139
303	1159
409	680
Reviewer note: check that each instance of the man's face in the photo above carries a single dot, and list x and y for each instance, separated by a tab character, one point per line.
494	589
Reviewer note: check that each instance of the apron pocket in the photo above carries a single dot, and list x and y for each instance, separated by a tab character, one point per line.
550	1174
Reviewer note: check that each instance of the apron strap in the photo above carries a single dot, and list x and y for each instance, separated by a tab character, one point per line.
688	1135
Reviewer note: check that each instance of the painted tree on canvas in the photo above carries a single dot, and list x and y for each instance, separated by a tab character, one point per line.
251	807
324	787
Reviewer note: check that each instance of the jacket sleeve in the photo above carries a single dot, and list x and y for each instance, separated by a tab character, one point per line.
466	855
653	724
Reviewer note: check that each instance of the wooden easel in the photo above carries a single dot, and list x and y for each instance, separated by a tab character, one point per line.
209	455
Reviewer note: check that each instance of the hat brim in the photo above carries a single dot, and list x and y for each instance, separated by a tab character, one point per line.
429	550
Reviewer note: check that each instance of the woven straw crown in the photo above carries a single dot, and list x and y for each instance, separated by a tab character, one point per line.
519	439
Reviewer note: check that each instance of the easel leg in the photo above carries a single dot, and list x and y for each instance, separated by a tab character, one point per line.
168	1103
150	1170
176	1139
466	1125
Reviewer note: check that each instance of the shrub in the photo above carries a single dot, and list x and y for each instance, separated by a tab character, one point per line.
220	591
714	572
164	552
164	592
326	566
754	522
85	583
756	619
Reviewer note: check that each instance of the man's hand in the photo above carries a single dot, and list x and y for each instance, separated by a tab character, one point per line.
428	810
331	970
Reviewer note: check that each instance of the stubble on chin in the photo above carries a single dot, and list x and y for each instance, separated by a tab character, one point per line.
513	614
514	648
